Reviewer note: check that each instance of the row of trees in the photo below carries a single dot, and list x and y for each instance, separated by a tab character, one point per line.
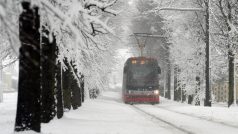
44	89
64	51
181	52
187	36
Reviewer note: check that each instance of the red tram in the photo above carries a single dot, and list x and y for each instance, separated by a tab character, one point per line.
140	80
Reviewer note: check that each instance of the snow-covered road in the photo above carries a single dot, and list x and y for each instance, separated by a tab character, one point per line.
108	115
187	123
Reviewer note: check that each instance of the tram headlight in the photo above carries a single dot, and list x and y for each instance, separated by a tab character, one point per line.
156	92
129	91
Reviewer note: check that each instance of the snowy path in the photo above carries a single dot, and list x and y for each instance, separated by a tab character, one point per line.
217	113
201	117
186	122
152	116
8	113
109	115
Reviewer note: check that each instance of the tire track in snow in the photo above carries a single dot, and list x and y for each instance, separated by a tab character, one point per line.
162	120
190	124
199	117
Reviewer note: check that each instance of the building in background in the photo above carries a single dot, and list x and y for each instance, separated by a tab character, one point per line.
7	82
220	91
8	79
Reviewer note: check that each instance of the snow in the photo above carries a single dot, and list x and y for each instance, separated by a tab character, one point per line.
8	113
2	11
219	112
109	115
181	9
191	123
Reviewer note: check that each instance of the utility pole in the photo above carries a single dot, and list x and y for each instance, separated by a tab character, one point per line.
235	80
207	101
164	83
1	87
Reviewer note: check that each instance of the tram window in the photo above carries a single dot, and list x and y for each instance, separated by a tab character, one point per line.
159	70
125	69
142	70
133	61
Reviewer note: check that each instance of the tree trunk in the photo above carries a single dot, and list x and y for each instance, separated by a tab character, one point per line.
82	88
28	103
207	101
230	57
197	101
179	91
76	97
67	86
59	96
231	78
168	94
48	60
175	83
183	94
190	99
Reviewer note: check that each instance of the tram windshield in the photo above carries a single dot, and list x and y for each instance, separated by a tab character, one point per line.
142	76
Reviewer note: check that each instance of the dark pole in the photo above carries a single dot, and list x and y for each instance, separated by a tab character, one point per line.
207	94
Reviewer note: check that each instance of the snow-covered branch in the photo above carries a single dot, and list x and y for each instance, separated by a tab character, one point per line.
82	30
180	9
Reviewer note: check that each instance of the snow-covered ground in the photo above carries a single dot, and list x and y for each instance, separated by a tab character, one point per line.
108	115
218	113
8	113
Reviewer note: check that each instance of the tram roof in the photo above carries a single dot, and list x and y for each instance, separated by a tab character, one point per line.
152	60
140	58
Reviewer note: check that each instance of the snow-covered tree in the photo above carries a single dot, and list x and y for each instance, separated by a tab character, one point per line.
225	35
185	32
186	27
83	32
81	28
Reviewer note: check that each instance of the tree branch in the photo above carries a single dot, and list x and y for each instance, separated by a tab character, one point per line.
181	9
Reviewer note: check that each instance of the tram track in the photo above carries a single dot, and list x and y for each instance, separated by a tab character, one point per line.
185	123
198	117
162	120
179	122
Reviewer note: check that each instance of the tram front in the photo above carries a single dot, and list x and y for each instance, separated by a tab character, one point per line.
140	80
